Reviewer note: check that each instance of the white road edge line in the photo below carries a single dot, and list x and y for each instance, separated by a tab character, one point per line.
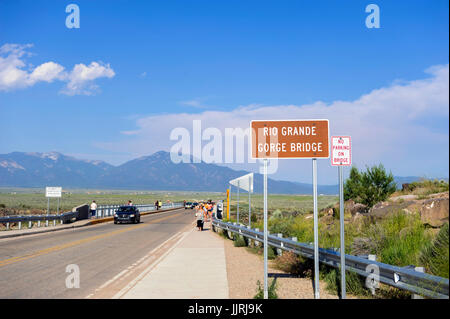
147	256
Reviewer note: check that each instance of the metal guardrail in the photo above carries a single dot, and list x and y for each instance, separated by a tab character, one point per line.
64	217
109	210
102	211
404	278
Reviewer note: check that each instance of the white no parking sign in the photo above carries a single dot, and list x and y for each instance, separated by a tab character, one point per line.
341	151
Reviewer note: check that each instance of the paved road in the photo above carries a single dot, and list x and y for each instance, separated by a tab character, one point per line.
35	266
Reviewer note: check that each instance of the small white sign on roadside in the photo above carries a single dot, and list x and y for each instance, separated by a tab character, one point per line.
341	151
53	191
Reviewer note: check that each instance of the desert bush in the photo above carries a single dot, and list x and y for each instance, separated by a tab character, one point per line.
239	241
426	187
293	264
355	284
369	187
271	290
435	255
400	239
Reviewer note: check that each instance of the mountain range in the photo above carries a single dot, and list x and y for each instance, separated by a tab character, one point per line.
154	172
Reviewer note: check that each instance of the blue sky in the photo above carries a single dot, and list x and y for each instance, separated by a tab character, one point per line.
187	58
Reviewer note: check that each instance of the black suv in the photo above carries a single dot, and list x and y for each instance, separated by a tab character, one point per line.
128	214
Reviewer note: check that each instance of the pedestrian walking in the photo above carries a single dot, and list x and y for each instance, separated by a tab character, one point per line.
200	218
93	208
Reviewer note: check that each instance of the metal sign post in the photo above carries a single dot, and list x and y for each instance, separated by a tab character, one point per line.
238	203
266	291
249	204
341	218
316	232
228	202
341	155
48	210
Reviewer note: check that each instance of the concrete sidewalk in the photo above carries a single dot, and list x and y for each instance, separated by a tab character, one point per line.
194	268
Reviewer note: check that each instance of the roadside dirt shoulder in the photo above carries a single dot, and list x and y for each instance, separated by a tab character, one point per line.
245	268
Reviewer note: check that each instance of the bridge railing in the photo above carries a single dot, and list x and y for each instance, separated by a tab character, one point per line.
109	210
405	278
23	219
102	211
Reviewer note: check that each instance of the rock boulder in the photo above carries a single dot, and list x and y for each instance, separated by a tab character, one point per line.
434	212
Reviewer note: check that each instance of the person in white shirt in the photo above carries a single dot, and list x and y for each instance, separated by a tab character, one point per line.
93	208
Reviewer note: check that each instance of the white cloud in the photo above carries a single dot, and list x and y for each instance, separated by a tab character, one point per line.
14	75
387	125
198	102
81	78
46	72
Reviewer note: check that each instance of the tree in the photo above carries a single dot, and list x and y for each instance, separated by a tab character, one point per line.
369	187
352	185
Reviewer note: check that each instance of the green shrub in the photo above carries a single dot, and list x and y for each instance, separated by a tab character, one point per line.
369	187
355	284
271	290
239	241
435	255
400	239
352	186
293	264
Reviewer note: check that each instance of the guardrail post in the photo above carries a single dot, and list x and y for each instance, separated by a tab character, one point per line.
279	250
39	223
20	225
54	222
46	223
416	296
7	226
29	224
256	241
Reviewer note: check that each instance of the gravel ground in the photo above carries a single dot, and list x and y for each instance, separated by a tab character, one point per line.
245	268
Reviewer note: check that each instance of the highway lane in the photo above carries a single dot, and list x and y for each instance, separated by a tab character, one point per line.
35	266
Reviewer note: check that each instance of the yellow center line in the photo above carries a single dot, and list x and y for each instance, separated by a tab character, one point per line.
75	243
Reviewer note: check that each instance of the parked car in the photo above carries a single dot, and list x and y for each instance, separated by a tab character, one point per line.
127	214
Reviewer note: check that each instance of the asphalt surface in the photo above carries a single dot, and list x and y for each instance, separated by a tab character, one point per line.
34	266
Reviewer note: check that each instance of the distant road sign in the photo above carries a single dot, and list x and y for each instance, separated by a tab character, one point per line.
341	151
244	182
53	191
290	139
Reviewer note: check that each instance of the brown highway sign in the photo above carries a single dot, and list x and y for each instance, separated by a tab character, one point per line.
290	139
